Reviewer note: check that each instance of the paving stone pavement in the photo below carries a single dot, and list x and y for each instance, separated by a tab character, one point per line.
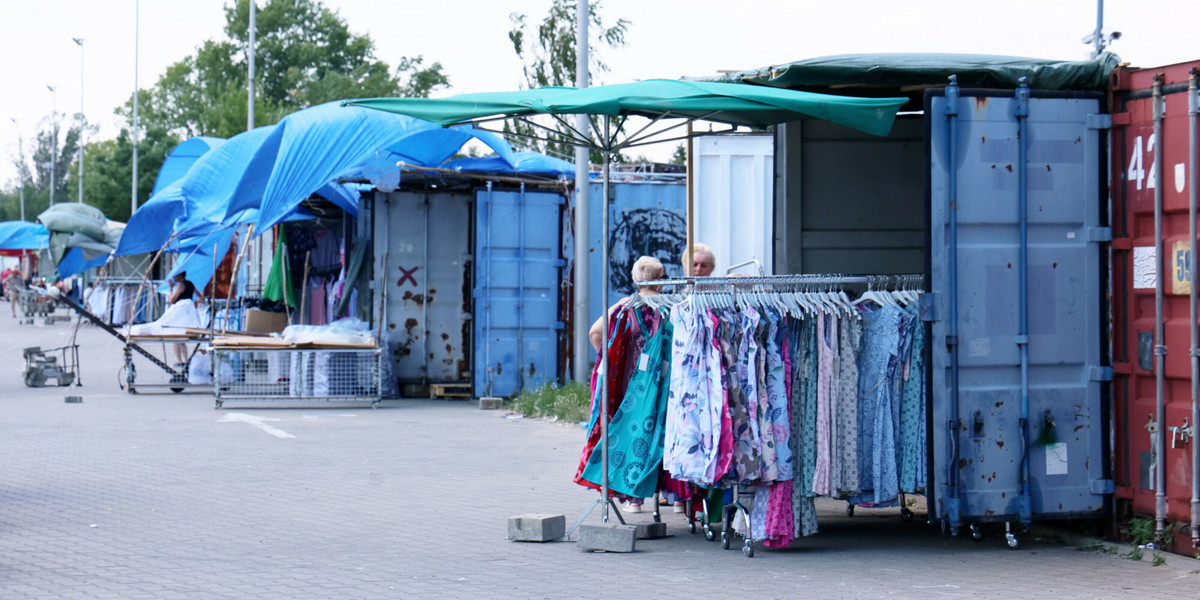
163	497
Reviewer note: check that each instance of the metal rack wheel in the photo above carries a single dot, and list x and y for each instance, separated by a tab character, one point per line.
906	515
748	549
849	510
724	540
1012	541
976	533
709	534
691	527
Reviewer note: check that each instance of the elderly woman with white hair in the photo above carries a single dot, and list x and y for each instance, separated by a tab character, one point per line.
646	268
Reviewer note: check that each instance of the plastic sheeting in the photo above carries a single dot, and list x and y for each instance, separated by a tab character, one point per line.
181	158
320	144
23	235
526	163
895	70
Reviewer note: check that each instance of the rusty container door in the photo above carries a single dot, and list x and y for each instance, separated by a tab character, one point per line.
427	278
1017	414
1152	259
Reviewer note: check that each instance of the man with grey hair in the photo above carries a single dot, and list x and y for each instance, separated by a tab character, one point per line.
647	268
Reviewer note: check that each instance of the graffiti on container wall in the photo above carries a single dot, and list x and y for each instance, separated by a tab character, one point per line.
638	232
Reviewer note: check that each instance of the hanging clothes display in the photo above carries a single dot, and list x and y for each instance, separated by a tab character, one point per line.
786	394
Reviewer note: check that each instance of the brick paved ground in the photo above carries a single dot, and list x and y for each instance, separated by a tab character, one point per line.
163	497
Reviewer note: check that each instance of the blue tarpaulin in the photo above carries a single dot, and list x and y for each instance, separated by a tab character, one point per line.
23	235
261	176
320	144
198	200
181	158
526	163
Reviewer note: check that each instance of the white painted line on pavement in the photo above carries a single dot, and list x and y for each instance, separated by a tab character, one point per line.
257	422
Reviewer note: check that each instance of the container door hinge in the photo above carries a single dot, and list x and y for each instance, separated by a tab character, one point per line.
926	307
1100	373
1099	121
1101	486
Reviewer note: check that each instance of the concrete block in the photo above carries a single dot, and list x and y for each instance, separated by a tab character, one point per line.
490	403
537	528
608	538
651	531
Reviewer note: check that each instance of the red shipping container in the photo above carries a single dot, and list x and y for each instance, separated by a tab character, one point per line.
1138	153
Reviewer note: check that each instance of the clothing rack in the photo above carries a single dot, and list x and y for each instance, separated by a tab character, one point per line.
908	279
742	290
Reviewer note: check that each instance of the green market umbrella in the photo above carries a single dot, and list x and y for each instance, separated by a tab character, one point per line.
668	104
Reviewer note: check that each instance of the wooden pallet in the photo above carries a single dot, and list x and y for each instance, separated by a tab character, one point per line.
450	390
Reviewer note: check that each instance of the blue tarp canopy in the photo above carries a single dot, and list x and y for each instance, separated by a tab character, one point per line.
525	163
263	175
181	158
23	235
317	145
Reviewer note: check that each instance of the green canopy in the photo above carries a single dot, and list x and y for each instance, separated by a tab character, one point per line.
901	74
655	99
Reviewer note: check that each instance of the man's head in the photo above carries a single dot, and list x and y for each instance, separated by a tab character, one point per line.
703	261
648	268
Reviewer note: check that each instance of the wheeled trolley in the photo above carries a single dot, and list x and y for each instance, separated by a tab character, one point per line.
174	375
288	374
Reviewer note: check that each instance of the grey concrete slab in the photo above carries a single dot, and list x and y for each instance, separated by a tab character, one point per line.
161	496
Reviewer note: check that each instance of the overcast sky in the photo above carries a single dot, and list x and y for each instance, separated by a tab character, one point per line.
666	38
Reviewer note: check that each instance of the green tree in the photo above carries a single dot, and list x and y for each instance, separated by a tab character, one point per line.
51	144
305	55
549	59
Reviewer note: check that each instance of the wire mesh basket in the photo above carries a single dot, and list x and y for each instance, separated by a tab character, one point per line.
297	375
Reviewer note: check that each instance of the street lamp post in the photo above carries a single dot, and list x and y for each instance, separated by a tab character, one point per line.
133	186
21	173
54	142
82	120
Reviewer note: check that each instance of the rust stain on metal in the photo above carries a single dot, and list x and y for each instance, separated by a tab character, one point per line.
983	139
445	336
391	325
981	102
499	368
962	463
1047	168
1077	428
999	403
410	323
1009	167
1000	443
532	368
449	348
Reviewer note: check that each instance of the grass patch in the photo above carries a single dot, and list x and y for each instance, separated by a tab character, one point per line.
1158	560
570	402
1135	554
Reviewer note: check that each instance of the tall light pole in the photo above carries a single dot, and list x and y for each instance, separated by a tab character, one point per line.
134	185
250	65
82	120
54	143
21	173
